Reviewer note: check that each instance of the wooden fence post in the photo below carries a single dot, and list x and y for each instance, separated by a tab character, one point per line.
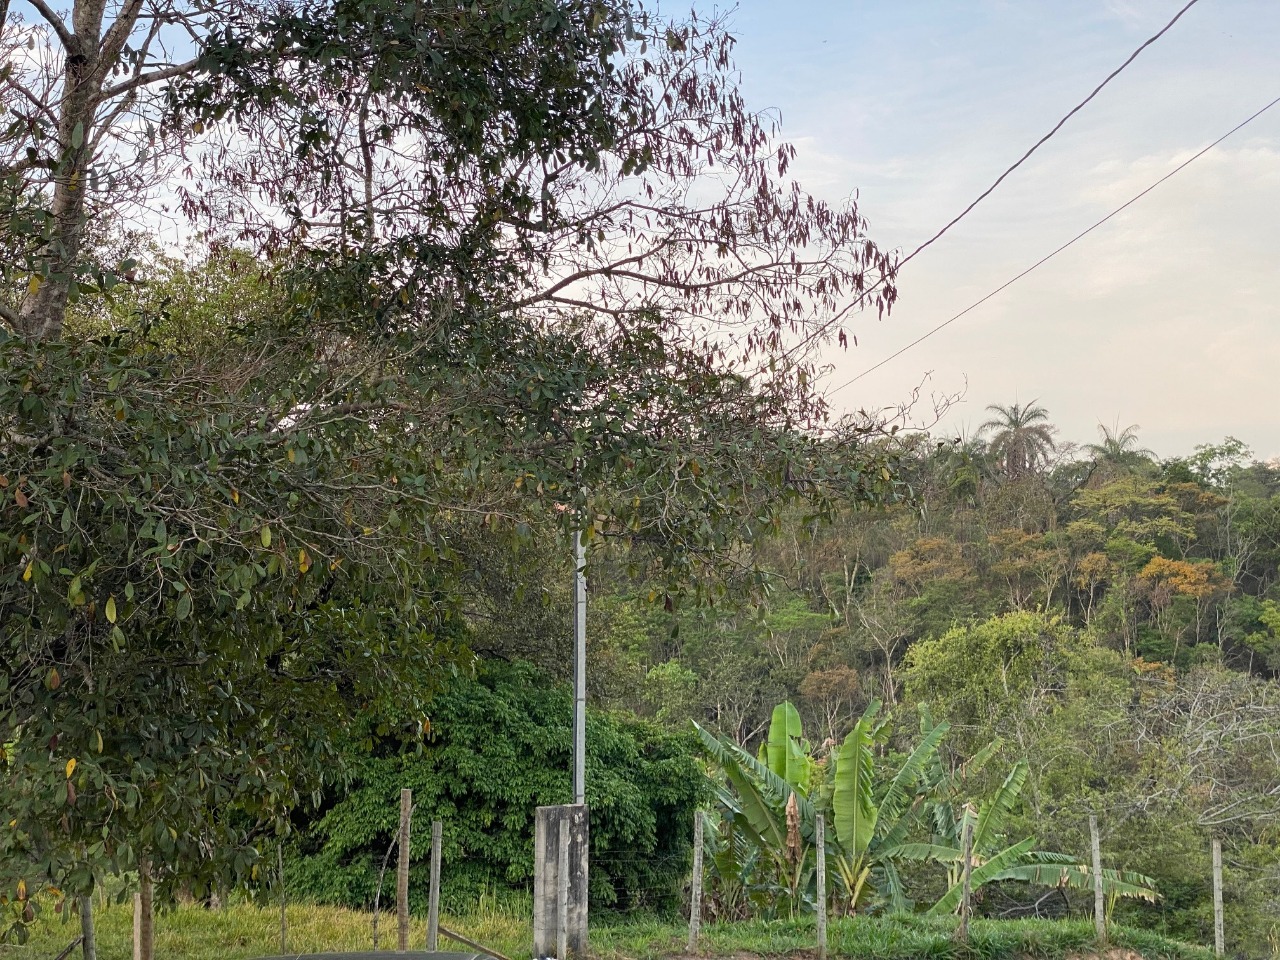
284	920
143	930
820	841
695	885
402	872
966	876
1099	899
1219	935
433	902
90	943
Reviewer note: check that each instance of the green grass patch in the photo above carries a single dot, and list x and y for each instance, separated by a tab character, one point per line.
244	931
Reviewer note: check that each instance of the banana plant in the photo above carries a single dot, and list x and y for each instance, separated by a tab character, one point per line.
772	815
769	804
774	799
869	830
995	860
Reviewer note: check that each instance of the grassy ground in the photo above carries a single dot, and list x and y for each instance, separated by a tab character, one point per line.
242	931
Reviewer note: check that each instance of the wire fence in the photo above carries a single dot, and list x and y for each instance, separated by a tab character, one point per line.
625	883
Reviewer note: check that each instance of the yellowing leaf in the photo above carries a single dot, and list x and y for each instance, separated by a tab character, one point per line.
26	574
33	285
71	767
22	889
304	561
110	609
235	495
98	734
292	456
266	537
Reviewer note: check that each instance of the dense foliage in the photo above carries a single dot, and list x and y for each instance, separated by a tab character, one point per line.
499	747
473	277
1105	616
466	286
766	845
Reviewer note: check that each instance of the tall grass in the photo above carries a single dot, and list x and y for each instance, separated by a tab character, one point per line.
243	931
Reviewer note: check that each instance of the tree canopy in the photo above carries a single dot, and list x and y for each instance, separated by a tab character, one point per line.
482	276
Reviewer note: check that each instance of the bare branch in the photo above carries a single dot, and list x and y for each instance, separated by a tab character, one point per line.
155	76
39	103
64	33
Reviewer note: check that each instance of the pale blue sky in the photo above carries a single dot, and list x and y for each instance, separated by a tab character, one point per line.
1169	316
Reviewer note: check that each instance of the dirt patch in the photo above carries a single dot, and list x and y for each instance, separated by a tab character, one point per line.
1115	953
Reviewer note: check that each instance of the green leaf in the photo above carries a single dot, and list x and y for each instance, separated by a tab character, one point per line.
997	808
184	606
783	728
1002	861
266	537
853	804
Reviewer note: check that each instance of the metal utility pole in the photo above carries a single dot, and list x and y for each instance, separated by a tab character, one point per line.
579	669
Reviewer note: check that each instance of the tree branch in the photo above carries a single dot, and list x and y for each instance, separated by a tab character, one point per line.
36	102
117	34
155	76
9	316
59	26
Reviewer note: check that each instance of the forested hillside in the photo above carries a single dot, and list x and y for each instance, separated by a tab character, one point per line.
1108	616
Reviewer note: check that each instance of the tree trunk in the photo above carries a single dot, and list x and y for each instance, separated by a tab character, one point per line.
44	308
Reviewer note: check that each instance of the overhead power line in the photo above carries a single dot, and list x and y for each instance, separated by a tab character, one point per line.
1045	259
1000	179
1058	126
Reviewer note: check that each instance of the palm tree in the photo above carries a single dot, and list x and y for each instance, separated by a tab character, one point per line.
1022	436
1119	451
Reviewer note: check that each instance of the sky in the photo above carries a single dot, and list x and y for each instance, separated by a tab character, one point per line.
1167	317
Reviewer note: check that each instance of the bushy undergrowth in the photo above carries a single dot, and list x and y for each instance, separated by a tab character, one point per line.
499	747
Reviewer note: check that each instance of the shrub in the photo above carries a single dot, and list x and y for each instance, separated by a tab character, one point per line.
500	746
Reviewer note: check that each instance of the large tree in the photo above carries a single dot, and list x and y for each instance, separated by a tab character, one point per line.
522	266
